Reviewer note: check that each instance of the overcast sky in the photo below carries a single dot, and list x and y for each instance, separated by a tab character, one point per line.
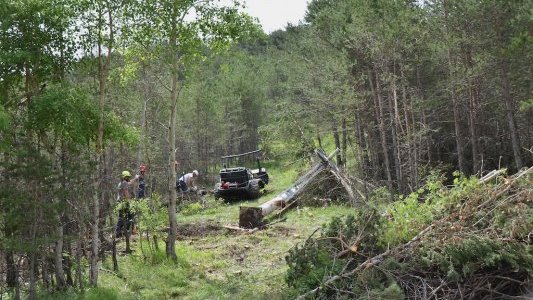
275	14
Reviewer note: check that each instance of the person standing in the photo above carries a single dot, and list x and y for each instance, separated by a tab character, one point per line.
125	216
141	190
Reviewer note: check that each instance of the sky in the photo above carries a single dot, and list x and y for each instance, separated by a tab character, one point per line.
275	14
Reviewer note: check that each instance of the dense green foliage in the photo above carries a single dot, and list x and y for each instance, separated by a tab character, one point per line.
480	232
403	88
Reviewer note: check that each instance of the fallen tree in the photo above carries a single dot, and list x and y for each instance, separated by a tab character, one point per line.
252	217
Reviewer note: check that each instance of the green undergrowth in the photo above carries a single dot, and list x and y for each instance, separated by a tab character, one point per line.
477	234
216	263
407	216
89	294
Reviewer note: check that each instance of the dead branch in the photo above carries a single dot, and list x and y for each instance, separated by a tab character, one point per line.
492	174
243	230
374	261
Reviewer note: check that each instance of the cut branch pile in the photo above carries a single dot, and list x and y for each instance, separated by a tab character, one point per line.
326	188
479	247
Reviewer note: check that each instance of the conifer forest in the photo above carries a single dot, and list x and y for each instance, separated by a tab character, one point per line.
394	140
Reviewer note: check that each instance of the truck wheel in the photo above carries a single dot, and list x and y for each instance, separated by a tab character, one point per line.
265	179
254	189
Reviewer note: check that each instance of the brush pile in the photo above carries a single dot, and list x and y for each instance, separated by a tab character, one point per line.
473	240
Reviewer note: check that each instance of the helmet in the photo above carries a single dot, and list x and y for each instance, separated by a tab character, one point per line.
126	174
195	173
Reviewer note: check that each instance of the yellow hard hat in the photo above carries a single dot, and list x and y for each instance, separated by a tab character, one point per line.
126	174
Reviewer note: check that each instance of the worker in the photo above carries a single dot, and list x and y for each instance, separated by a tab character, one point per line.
141	190
187	182
125	216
